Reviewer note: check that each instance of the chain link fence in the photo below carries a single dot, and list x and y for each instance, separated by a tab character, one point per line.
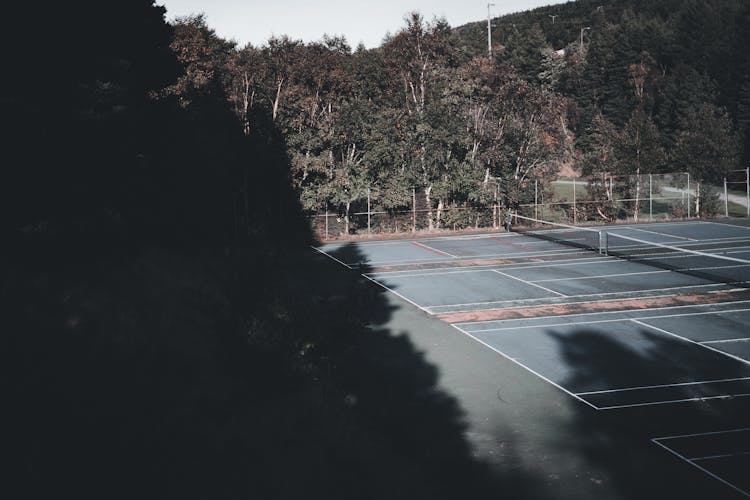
572	200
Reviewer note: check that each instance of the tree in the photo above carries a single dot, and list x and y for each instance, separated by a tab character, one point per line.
204	56
419	56
638	151
707	146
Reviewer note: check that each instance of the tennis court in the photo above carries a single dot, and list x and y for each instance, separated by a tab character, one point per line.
617	317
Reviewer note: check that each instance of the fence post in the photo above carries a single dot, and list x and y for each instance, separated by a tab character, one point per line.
726	199
747	189
495	210
650	198
326	219
413	210
536	199
575	211
368	211
688	194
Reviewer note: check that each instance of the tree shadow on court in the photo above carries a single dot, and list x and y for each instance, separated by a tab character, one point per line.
618	440
194	375
406	435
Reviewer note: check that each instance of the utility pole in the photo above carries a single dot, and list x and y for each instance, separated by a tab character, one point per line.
553	17
489	31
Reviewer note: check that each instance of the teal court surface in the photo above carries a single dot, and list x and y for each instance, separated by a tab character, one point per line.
616	317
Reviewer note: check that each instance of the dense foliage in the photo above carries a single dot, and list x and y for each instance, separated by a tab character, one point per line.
428	111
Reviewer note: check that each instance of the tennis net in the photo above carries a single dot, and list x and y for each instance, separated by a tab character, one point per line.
714	261
587	238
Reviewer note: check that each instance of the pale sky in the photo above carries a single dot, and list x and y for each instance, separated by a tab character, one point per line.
254	21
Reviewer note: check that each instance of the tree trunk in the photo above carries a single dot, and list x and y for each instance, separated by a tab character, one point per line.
439	213
246	103
346	218
278	98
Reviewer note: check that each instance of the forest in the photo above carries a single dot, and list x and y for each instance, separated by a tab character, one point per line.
595	88
166	332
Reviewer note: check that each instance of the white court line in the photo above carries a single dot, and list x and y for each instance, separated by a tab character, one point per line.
501	353
672	401
659	386
701	434
742	339
661	271
682	270
331	257
614	320
600	294
726	455
431	249
528	283
691	462
663	234
667	332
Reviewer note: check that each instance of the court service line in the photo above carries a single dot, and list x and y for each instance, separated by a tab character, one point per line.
742	339
501	353
672	401
714	268
726	455
685	459
433	250
701	434
663	234
528	283
660	386
601	294
667	332
614	320
661	271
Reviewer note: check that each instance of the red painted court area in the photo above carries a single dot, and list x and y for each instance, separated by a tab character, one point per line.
659	317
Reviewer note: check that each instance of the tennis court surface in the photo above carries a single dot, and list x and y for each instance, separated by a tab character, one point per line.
617	317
